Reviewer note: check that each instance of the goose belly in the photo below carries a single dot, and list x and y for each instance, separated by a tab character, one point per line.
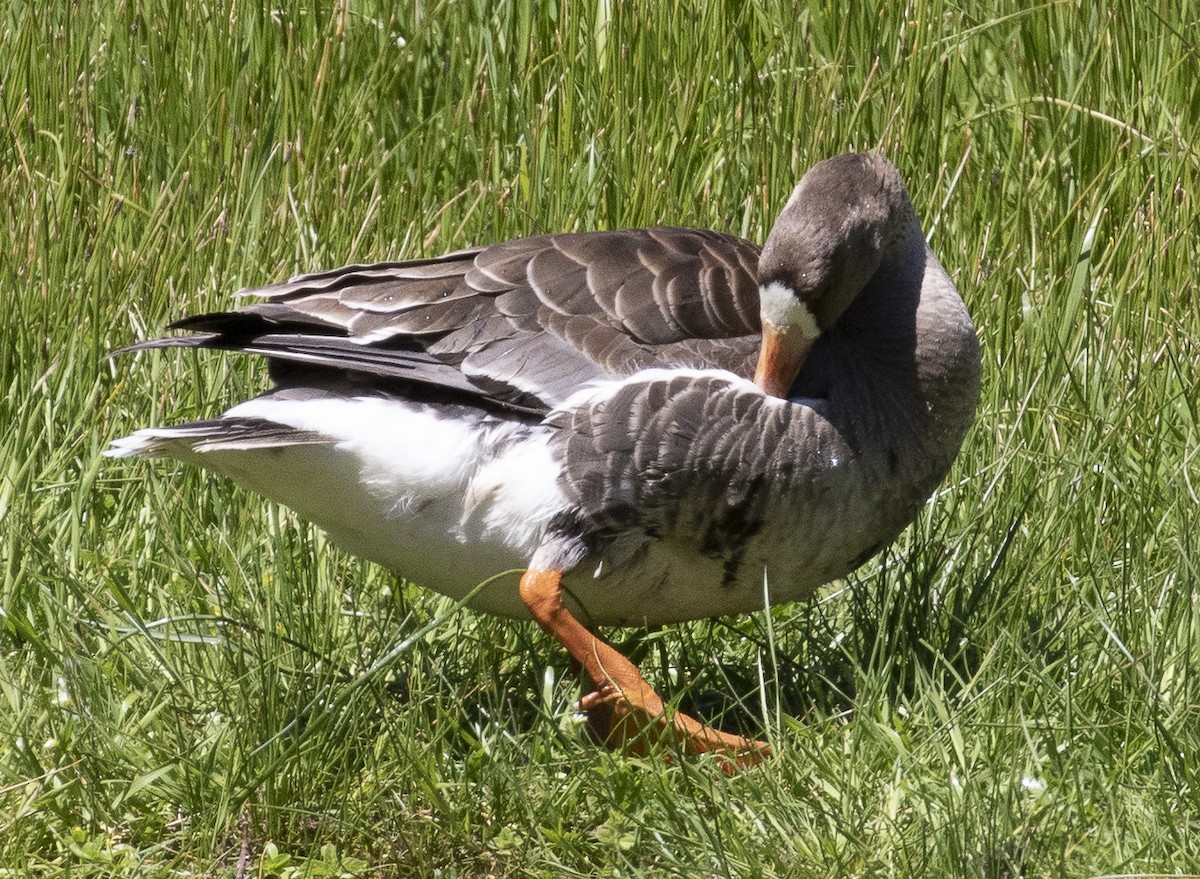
664	581
808	536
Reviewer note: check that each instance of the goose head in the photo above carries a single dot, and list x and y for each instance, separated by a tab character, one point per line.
844	220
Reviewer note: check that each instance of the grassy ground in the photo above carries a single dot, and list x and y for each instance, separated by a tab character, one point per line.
194	683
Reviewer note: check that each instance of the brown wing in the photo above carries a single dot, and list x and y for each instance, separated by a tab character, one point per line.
521	324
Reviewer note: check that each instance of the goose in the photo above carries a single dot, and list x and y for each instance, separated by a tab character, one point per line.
653	425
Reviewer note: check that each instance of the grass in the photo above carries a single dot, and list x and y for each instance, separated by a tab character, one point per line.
194	683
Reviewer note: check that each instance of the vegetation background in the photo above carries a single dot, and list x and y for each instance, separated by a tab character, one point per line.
194	683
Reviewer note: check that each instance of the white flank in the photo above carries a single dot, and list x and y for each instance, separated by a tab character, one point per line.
449	498
489	480
516	493
405	450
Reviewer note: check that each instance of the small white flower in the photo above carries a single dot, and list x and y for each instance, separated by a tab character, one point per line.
1034	784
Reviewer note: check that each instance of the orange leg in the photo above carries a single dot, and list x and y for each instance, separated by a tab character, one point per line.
638	716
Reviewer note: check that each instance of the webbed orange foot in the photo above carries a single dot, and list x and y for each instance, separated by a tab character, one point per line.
624	710
620	722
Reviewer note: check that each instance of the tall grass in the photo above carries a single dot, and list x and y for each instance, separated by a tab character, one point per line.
190	677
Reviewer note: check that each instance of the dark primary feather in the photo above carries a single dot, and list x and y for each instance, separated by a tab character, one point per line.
520	325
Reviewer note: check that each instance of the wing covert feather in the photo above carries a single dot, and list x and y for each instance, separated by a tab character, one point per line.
543	316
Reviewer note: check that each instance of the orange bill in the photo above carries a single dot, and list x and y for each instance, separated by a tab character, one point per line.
779	361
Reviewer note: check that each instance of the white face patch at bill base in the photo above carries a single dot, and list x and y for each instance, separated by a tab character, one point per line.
783	309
